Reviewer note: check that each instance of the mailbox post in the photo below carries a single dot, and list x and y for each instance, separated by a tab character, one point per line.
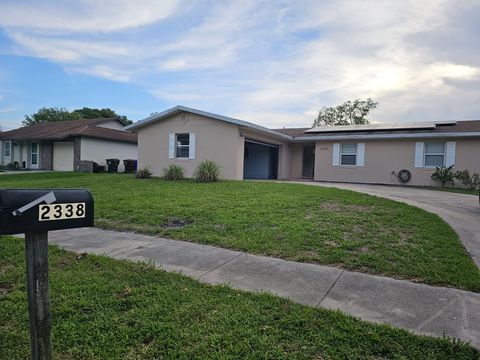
35	212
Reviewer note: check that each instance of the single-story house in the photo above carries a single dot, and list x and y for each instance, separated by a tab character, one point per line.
67	145
373	153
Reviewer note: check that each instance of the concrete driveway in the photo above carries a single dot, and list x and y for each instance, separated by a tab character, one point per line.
461	211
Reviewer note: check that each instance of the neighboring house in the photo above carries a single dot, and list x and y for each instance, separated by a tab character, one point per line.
67	145
364	153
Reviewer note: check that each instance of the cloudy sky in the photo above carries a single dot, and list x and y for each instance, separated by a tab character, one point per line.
271	62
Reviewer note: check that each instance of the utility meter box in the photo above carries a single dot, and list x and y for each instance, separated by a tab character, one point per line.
33	210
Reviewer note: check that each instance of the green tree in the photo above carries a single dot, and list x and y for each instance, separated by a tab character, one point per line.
61	114
349	113
49	115
89	113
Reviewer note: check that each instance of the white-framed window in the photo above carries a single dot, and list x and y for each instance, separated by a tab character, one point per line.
7	151
182	145
352	154
8	148
434	154
34	154
348	154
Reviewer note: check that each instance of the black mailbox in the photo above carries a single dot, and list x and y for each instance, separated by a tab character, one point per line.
33	210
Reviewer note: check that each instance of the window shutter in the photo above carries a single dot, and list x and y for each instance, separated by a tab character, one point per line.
360	154
419	154
450	157
171	146
191	148
336	154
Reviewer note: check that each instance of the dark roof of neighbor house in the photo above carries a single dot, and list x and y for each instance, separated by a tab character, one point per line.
67	129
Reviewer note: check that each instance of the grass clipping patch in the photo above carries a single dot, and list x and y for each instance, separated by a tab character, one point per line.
109	309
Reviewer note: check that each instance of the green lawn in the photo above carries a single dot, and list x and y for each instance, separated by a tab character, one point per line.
109	309
291	221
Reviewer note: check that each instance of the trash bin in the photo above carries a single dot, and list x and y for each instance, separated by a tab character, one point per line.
98	168
112	165
130	165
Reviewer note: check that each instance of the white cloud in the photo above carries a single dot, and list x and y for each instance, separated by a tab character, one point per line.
366	53
65	50
103	71
83	15
276	63
7	110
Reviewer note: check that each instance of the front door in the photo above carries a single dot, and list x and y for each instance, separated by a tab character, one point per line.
308	160
34	155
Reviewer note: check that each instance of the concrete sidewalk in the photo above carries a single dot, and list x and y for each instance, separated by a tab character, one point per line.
422	308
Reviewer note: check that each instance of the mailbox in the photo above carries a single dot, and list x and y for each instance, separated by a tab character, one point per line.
34	210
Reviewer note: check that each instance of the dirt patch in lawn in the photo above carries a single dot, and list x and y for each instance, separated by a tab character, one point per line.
175	223
5	288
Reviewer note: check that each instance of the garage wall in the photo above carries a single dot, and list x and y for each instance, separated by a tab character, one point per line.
214	140
63	156
99	150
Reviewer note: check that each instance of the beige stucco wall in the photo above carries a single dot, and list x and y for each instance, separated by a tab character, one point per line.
382	157
296	161
468	154
214	140
99	150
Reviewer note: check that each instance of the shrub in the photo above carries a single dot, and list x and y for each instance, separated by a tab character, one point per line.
173	172
207	171
144	173
470	181
443	175
12	166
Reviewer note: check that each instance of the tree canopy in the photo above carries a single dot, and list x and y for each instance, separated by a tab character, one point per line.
349	113
53	114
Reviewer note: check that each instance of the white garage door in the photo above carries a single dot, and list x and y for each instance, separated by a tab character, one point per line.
63	156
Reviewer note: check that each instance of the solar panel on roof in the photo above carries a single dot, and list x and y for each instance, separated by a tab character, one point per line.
373	127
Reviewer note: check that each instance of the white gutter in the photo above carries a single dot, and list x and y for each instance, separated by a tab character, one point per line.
388	136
